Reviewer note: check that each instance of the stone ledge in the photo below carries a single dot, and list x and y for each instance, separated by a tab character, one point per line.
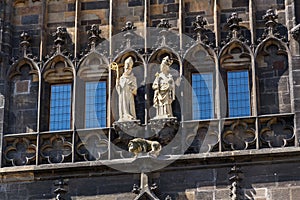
216	158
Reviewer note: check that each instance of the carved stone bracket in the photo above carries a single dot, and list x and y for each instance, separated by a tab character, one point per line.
132	127
164	129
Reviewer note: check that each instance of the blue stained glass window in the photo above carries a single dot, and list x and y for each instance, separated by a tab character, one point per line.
202	85
60	107
238	93
95	104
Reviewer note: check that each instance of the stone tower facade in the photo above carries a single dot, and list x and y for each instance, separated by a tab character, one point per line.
233	132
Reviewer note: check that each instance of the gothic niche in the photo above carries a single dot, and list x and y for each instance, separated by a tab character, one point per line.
23	89
273	79
128	98
163	82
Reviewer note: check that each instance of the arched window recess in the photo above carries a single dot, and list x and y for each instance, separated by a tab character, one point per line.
58	73
200	62
273	60
23	80
236	69
92	91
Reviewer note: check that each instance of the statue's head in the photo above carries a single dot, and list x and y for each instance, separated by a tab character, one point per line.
128	64
165	64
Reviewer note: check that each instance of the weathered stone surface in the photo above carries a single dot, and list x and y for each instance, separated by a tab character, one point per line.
30	19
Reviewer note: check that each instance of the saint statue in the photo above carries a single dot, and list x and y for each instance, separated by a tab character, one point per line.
164	90
127	88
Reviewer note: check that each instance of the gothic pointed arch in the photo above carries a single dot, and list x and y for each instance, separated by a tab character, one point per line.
92	91
154	62
236	68
199	71
23	79
138	70
58	77
272	58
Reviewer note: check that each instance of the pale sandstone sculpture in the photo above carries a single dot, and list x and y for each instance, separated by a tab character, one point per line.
127	88
164	90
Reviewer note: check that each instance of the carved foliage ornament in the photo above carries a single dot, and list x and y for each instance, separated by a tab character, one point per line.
56	149
277	133
239	136
21	152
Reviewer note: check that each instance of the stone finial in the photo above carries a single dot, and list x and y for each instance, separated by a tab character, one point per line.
60	191
270	18
199	27
164	23
233	23
129	35
128	26
295	32
94	36
60	37
24	44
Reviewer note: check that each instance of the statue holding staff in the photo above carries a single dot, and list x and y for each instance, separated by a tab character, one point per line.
126	88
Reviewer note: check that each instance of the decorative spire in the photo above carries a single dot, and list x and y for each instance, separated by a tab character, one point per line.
199	28
60	37
60	191
233	23
24	44
235	179
129	35
94	36
129	26
271	24
164	25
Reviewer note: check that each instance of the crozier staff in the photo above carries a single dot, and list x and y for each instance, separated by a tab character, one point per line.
127	88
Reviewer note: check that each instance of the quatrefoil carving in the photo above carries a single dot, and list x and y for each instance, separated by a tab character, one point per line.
21	152
56	149
204	140
239	136
277	133
92	147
